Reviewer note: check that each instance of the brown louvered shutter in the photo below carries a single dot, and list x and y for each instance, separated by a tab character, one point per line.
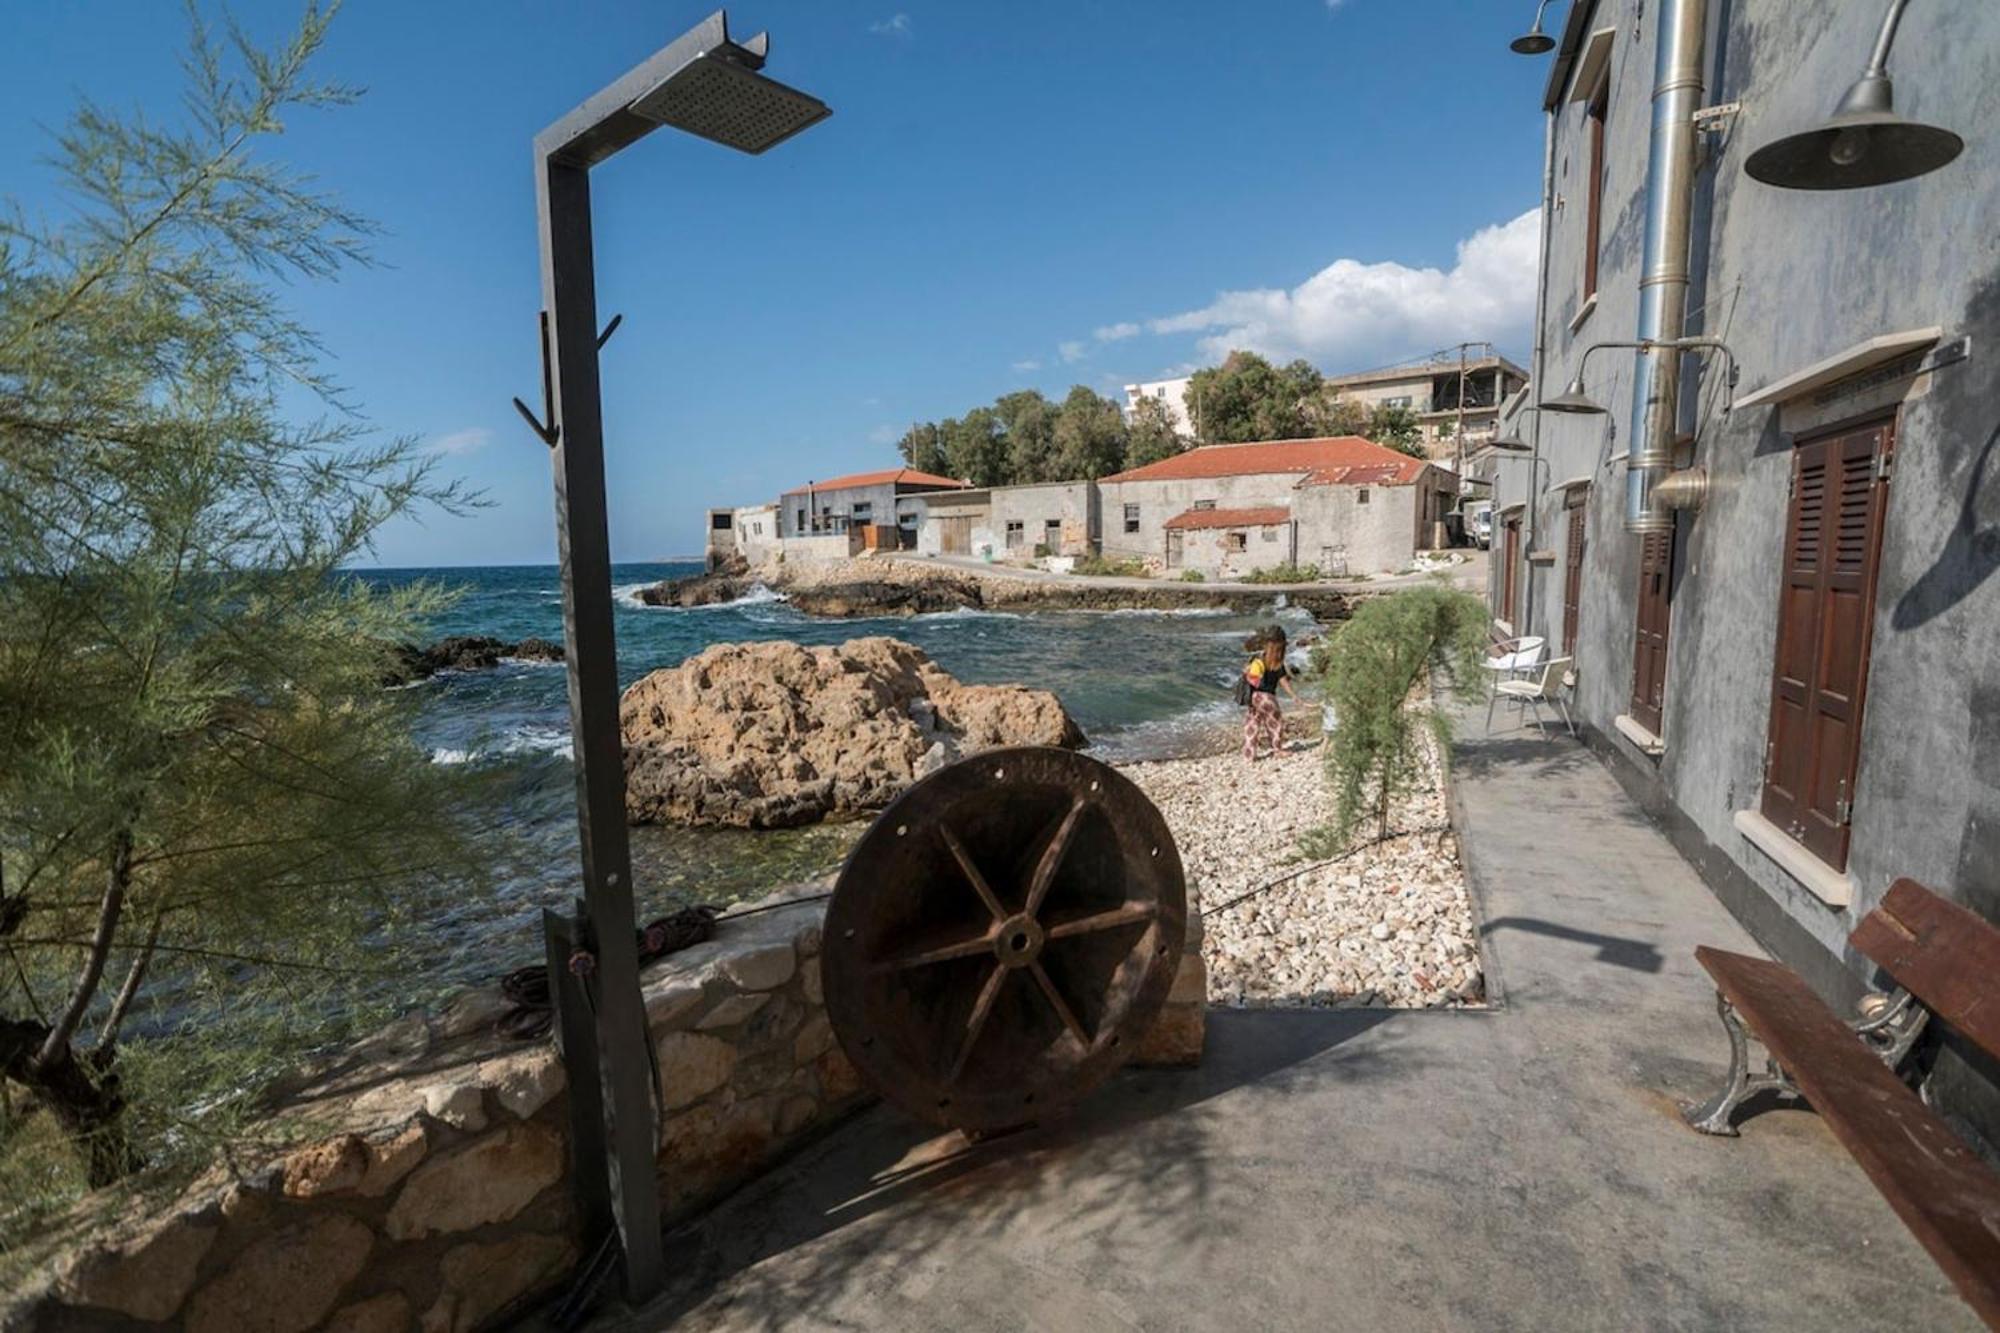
1649	648
1510	557
1833	539
1573	568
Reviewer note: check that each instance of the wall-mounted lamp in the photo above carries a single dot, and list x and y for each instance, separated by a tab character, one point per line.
1534	42
1575	401
1864	142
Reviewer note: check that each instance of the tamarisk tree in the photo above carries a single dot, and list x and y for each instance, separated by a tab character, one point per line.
203	787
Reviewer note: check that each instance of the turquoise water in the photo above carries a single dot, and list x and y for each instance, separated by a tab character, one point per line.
1141	684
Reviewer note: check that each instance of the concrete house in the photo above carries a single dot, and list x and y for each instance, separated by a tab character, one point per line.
957	523
891	500
1349	505
1173	394
1046	518
1431	389
749	531
1773	564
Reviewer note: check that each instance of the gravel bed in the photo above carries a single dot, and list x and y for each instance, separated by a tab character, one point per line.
1389	925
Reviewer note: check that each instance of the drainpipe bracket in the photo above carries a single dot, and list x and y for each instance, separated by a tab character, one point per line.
1712	118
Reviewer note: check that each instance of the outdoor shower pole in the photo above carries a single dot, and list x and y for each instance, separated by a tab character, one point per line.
569	294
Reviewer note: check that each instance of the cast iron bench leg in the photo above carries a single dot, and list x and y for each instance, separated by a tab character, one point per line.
1713	1116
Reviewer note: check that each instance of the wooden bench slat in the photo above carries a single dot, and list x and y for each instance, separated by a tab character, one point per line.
1945	1194
1944	954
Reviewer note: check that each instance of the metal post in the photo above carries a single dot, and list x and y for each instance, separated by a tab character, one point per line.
569	294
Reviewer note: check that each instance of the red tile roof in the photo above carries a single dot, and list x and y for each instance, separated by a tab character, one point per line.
1306	457
1230	518
908	476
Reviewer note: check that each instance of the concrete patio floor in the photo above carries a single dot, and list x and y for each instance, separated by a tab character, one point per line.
1523	1167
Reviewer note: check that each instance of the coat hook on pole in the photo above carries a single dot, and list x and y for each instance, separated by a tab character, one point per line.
610	329
545	425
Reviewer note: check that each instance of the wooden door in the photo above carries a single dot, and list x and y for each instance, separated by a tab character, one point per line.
1573	567
1826	609
1649	649
1174	539
1510	567
955	535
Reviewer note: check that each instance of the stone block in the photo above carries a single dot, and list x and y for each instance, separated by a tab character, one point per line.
691	1067
1175	1040
458	1104
487	1180
147	1277
796	1114
285	1282
525	1082
730	1011
813	1041
335	1166
386	1313
838	1078
671	1004
809	982
479	1281
390	1159
763	967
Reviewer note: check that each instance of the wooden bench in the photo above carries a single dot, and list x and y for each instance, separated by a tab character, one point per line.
1945	962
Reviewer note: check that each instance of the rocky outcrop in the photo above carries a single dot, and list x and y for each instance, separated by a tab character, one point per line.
464	652
771	735
699	590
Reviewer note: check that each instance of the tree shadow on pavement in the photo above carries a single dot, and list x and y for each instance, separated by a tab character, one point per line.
1123	1180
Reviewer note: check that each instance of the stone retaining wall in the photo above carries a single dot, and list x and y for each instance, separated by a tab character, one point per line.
432	1188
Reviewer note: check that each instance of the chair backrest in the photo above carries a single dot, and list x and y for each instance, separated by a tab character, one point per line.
1521	653
1942	953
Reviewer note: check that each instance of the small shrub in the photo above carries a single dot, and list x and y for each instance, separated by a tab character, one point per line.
1368	666
1042	551
1193	576
1284	574
1102	567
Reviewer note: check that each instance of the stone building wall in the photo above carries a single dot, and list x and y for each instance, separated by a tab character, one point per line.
431	1191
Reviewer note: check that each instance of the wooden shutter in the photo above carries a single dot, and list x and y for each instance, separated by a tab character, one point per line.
1594	200
1826	605
1573	568
1510	555
1649	648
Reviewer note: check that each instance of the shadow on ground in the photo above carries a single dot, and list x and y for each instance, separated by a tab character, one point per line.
868	1203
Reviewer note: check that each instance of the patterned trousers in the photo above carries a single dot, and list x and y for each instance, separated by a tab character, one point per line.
1263	725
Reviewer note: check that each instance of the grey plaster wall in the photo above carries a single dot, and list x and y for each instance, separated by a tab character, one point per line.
1159	501
1789	278
1343	535
1071	505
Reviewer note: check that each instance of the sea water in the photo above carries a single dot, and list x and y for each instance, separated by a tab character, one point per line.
1141	684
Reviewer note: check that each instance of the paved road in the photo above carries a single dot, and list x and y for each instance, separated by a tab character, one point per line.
1520	1168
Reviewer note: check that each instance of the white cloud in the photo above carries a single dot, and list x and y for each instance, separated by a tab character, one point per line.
896	25
1112	333
1352	314
1023	367
462	441
1072	352
884	435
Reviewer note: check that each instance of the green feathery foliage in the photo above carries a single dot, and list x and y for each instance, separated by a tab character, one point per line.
1368	668
214	823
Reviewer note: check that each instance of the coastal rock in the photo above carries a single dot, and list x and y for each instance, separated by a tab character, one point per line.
479	1281
146	1278
285	1282
463	652
772	735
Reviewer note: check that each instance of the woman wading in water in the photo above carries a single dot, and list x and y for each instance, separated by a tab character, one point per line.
1264	724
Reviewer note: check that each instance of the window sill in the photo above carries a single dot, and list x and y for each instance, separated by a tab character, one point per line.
1652	745
1830	886
1588	309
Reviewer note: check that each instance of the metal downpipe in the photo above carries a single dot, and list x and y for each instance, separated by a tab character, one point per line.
1663	283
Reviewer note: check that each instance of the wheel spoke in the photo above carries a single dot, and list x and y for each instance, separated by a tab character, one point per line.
1052	855
1128	914
1062	1009
938	953
982	1009
979	885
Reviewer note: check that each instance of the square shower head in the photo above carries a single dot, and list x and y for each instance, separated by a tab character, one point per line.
719	99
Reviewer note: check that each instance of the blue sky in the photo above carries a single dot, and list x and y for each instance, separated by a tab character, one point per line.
1030	194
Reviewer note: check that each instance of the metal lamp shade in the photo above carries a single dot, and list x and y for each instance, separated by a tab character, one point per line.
719	100
1533	43
1853	151
1574	401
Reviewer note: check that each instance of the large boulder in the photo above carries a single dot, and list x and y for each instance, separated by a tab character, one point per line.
770	735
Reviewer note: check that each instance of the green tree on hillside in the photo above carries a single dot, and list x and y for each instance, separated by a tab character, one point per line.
1029	421
201	781
1090	436
1150	435
922	448
1396	428
976	447
1248	398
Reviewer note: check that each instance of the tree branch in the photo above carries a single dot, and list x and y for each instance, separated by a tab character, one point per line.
117	879
107	1036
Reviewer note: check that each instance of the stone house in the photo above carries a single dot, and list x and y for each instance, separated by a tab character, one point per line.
1772	564
1351	506
1045	518
1433	391
891	500
957	523
749	531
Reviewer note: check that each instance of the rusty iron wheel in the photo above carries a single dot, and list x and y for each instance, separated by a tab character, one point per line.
1002	937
